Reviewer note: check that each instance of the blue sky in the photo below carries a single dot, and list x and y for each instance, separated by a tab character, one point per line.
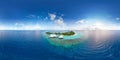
66	11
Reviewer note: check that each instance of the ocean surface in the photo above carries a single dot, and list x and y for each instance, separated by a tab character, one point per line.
32	45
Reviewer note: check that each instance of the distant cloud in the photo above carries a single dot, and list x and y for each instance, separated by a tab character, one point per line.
46	18
117	18
31	16
60	21
81	21
19	24
52	16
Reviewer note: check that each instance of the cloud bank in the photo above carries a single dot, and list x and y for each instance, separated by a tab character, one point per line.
56	22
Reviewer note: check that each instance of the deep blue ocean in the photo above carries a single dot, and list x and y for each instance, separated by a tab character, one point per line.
32	45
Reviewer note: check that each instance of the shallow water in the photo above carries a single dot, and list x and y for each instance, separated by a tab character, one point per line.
32	45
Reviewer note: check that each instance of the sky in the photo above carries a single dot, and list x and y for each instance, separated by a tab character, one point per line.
59	14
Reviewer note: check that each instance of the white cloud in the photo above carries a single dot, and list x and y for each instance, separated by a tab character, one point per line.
81	21
57	20
19	24
60	21
52	16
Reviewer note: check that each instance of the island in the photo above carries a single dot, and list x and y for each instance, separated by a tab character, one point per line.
64	38
69	33
59	34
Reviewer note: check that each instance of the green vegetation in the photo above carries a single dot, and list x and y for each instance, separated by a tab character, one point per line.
69	33
48	33
58	33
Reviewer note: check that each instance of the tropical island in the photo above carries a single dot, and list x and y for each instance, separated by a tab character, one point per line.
65	39
69	33
60	35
